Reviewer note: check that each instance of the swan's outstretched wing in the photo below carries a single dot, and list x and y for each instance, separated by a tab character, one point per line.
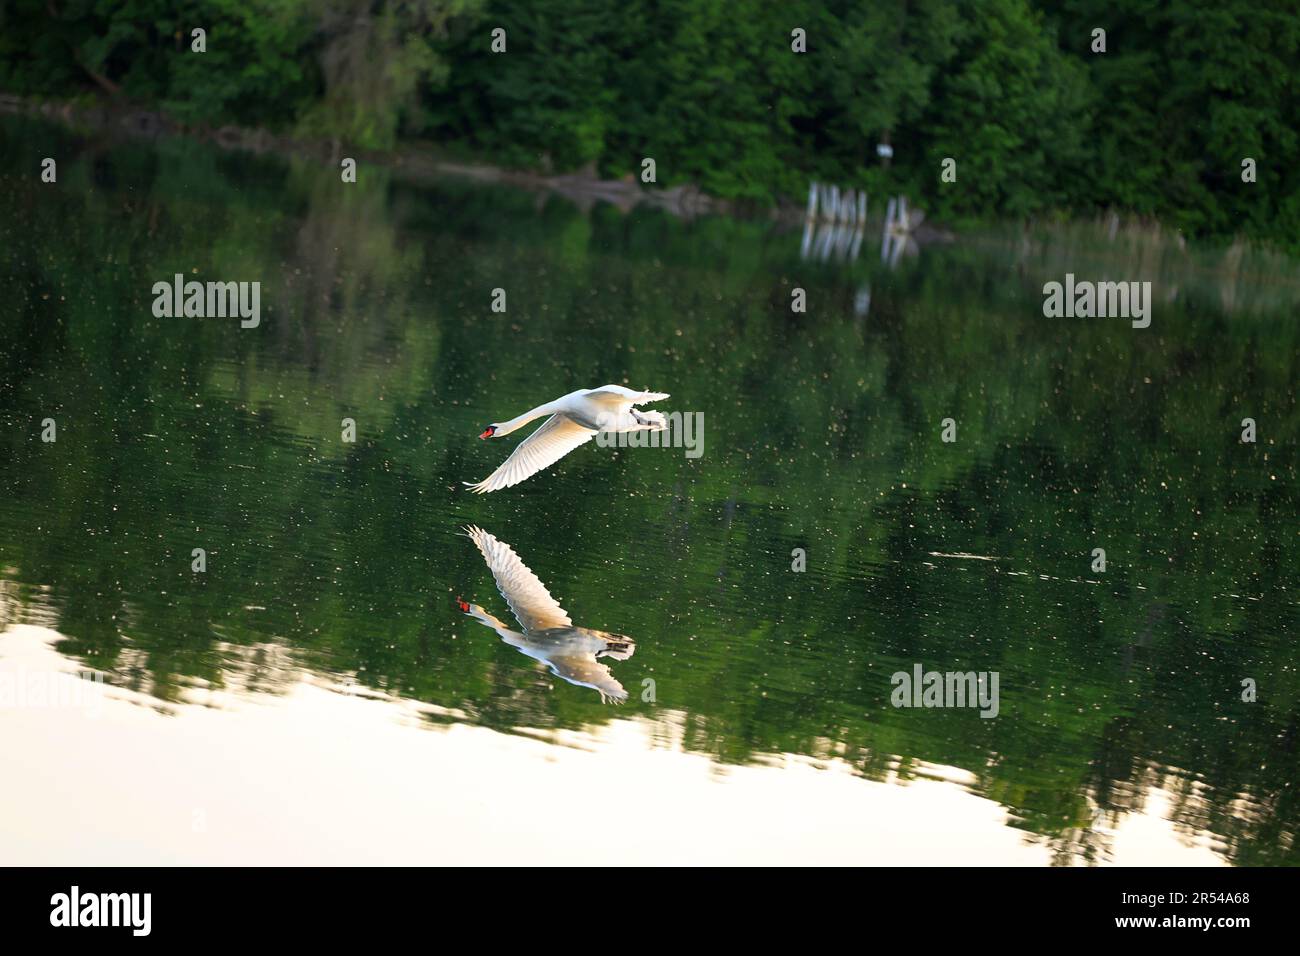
543	448
618	395
585	671
528	598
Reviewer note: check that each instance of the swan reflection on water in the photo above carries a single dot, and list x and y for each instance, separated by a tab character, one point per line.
548	635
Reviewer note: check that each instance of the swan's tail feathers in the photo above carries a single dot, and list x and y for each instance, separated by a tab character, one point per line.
618	647
651	397
650	421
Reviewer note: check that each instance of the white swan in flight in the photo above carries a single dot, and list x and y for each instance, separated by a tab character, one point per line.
575	420
548	634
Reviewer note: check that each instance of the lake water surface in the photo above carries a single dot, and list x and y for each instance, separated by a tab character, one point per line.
316	693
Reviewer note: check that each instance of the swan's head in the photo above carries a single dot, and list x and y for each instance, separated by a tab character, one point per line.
489	431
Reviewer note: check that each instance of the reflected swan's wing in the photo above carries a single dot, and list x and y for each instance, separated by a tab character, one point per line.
528	598
585	671
543	448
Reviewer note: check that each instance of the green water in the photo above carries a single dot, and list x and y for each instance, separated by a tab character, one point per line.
822	432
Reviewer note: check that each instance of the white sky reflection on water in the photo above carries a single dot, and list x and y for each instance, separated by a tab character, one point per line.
314	776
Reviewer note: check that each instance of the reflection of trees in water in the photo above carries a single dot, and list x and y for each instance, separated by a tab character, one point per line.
1237	279
232	669
347	263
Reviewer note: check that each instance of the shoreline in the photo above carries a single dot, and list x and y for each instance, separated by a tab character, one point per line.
583	188
1220	259
685	201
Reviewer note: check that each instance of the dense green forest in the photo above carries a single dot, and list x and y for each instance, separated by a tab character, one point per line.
1039	123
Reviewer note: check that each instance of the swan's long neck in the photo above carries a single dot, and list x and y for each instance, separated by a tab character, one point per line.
519	421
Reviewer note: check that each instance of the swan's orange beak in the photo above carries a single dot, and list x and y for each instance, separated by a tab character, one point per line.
463	605
487	432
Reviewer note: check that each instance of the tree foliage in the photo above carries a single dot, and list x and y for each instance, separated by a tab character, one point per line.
1037	121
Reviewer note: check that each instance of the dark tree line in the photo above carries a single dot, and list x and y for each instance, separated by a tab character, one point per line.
1038	122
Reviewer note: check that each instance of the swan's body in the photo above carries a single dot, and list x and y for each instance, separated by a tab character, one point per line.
548	635
574	420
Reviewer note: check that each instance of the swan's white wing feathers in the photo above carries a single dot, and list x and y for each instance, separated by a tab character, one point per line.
528	598
618	395
586	671
543	448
